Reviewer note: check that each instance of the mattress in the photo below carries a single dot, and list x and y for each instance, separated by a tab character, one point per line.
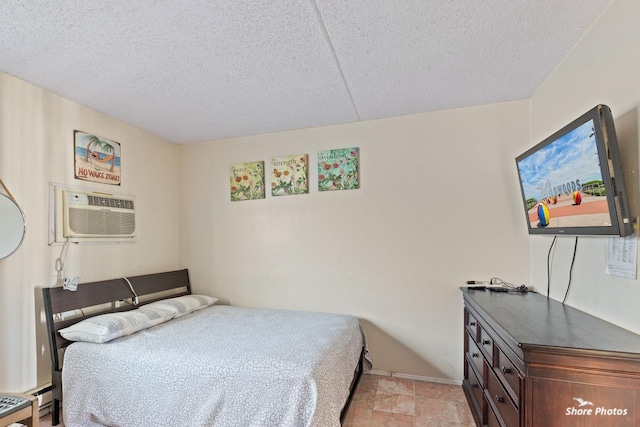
222	366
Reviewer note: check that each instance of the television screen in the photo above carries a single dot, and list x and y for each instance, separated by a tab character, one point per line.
572	181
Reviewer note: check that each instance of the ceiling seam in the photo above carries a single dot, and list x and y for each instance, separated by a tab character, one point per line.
335	56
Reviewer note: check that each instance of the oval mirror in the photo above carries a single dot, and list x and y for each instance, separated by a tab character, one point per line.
12	226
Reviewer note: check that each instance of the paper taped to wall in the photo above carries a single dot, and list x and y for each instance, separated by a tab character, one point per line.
622	256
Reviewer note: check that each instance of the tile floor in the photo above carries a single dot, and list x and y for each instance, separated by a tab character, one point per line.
382	401
46	421
394	402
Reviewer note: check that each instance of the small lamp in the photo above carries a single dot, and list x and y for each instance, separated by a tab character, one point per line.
71	284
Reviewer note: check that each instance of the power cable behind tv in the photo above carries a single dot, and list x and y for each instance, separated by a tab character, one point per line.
549	265
575	247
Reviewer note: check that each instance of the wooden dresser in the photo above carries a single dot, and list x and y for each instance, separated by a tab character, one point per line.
531	361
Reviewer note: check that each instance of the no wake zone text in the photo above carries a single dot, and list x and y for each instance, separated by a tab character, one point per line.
99	175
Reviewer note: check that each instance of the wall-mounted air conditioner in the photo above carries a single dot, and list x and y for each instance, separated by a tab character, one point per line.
85	216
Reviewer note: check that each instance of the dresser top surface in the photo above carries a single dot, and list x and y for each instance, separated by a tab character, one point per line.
531	320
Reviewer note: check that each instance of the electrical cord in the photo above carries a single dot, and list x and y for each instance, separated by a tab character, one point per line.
135	296
499	281
60	261
575	247
505	286
549	265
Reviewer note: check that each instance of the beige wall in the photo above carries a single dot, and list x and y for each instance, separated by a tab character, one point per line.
604	68
36	148
438	205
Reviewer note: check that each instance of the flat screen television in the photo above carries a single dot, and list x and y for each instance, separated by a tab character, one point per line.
572	183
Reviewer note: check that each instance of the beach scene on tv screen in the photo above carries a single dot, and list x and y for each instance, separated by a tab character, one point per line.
562	182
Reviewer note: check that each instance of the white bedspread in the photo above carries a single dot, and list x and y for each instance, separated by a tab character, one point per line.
222	366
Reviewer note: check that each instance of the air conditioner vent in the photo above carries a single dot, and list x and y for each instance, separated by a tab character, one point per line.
87	215
109	202
102	222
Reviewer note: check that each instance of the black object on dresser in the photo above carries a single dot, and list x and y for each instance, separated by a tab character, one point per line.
533	362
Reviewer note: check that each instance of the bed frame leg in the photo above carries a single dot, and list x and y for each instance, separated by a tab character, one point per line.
55	418
56	396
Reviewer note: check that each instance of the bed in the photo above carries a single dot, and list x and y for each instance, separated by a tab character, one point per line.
213	365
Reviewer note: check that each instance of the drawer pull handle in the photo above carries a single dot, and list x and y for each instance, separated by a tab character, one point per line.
486	342
506	370
474	355
474	385
499	399
472	324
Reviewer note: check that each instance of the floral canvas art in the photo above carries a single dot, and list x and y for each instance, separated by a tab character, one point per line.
338	169
290	175
247	181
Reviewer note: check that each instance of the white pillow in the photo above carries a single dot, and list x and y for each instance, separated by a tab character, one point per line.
106	327
184	305
156	315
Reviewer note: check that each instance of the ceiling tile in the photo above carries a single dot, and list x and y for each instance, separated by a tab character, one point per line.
201	70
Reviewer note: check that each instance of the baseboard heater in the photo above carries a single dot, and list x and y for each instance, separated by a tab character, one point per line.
43	393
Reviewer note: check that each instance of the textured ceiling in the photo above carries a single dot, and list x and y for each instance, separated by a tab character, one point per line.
200	70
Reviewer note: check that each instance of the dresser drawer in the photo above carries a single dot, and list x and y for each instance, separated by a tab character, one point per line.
486	344
476	386
475	357
472	325
492	421
501	401
508	374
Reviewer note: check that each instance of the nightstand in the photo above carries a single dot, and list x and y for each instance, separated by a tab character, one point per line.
28	415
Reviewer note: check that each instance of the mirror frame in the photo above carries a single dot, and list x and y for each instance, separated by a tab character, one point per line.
24	227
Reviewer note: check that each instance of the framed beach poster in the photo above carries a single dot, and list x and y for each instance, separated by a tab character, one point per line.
247	181
290	175
96	159
338	169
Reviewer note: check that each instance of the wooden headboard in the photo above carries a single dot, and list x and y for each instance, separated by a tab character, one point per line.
103	294
58	300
